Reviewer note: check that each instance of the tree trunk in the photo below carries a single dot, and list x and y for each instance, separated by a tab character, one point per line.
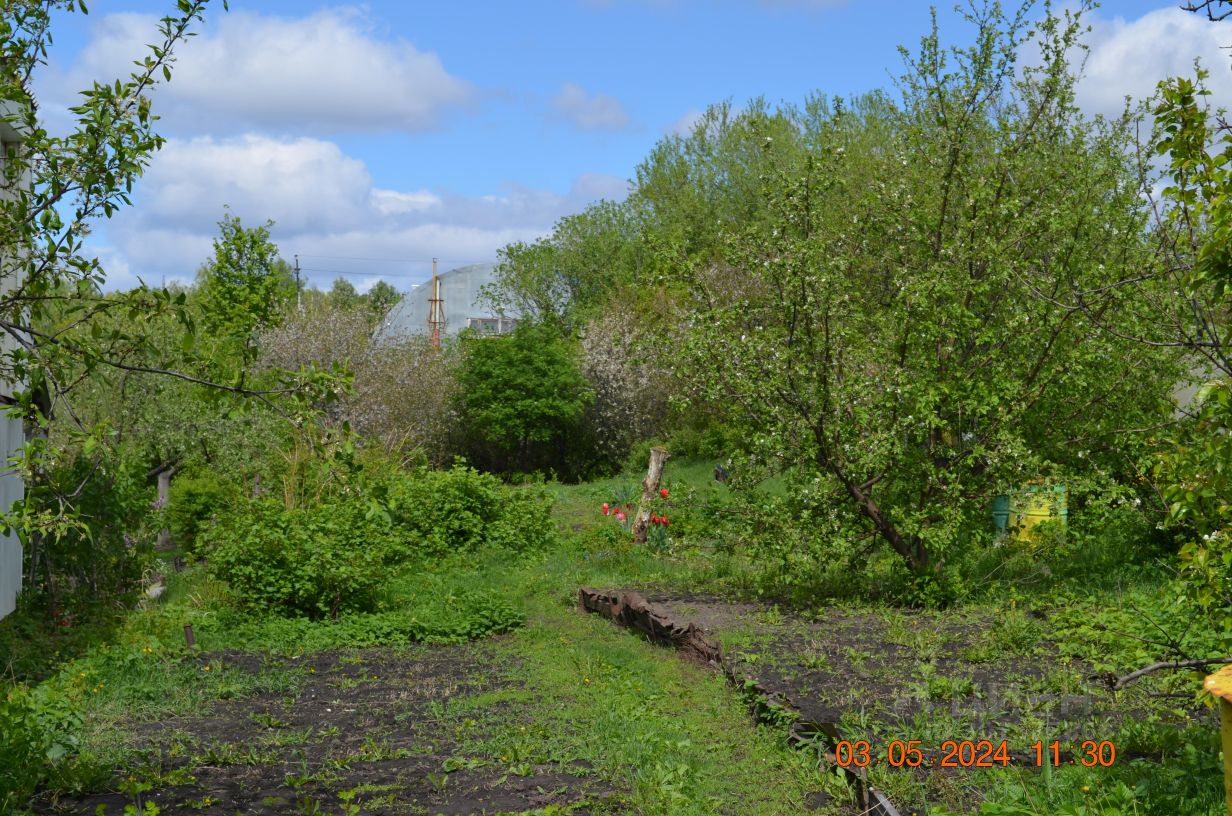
913	552
164	494
650	487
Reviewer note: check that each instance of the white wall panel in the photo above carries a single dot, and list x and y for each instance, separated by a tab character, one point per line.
12	437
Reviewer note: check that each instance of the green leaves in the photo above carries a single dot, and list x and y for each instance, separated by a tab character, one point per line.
1197	473
1198	153
1197	235
316	562
62	329
38	727
892	320
333	556
521	399
246	286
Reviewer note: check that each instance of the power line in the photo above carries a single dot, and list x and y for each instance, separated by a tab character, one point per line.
361	274
394	260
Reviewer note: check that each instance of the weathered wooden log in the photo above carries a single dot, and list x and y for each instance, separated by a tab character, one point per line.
632	610
635	612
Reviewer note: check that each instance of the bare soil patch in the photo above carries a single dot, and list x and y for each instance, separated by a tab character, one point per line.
905	665
373	725
961	675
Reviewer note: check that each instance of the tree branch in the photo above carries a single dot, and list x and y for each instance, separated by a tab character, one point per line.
1121	682
1214	9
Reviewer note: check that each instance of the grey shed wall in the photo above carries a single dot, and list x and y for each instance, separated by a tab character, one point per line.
12	433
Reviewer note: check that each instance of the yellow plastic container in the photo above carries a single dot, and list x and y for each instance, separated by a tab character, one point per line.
1034	504
1020	513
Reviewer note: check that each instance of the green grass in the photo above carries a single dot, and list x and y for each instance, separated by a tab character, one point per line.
674	736
666	736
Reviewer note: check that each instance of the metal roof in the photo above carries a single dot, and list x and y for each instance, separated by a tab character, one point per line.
461	295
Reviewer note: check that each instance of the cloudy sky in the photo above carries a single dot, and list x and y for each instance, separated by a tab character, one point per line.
378	136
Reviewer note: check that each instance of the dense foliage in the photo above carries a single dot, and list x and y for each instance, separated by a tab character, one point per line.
876	315
315	561
1196	237
875	295
193	503
443	512
37	729
332	555
521	401
245	287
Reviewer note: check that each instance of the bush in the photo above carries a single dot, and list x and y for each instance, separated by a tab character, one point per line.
194	500
314	562
439	620
525	522
99	550
332	557
522	402
462	510
38	728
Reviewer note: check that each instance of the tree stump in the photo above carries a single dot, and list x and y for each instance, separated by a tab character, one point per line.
650	488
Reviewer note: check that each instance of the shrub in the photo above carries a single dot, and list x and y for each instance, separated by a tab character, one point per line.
193	501
331	557
521	403
445	511
461	510
525	521
38	728
99	550
440	620
315	562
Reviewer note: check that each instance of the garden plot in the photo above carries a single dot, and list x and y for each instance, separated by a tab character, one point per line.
969	675
371	731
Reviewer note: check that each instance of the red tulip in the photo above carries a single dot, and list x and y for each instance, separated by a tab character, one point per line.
605	508
663	492
666	522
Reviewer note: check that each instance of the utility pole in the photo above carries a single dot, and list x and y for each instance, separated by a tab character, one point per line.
299	303
436	313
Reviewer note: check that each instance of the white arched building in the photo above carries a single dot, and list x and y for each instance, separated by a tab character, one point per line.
461	304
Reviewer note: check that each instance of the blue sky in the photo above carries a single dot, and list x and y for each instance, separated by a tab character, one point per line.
383	134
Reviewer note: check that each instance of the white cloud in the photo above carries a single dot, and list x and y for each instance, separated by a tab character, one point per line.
686	123
589	111
1128	58
323	203
330	71
392	202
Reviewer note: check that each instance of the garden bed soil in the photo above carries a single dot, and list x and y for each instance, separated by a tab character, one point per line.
903	666
906	674
374	723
